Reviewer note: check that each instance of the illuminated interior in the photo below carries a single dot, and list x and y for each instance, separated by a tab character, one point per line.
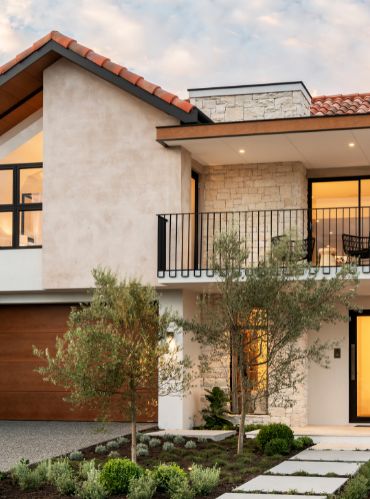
21	208
29	152
363	366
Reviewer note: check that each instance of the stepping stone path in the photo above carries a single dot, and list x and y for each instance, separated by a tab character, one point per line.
280	482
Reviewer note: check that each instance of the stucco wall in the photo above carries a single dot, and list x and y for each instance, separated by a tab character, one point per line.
105	179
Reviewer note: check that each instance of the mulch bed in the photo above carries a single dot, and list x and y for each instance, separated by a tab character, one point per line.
235	470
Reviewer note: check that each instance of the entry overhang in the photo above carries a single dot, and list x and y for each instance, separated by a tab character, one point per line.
316	142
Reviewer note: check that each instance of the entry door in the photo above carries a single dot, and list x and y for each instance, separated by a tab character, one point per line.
359	366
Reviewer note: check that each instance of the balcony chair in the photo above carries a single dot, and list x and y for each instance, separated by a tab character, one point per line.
302	245
356	247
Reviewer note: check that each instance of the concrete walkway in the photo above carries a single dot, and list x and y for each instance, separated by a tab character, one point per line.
38	440
313	464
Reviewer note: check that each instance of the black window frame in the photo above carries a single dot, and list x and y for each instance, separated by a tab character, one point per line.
17	206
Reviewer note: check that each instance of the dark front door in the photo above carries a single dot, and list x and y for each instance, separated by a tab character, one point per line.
359	366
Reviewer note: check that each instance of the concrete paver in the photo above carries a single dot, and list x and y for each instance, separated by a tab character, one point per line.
294	484
321	468
360	456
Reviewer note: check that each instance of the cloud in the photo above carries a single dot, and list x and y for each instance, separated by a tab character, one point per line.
180	44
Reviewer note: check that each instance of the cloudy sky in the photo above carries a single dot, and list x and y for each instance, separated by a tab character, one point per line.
181	44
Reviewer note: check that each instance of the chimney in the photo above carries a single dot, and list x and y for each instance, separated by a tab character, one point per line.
253	102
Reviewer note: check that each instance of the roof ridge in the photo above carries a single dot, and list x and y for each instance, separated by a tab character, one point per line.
104	62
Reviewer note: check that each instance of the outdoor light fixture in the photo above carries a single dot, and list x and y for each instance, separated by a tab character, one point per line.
241	151
351	144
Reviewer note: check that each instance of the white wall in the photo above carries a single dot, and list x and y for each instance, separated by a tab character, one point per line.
21	270
181	411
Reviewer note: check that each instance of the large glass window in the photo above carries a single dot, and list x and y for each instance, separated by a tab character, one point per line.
20	206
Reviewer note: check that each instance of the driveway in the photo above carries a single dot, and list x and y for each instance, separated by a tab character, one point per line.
38	440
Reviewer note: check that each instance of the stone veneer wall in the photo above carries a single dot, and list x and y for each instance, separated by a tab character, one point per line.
256	187
257	106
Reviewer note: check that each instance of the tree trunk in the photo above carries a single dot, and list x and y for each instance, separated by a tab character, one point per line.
243	411
234	377
133	425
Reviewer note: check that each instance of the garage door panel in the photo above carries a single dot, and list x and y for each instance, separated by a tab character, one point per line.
18	345
51	406
23	393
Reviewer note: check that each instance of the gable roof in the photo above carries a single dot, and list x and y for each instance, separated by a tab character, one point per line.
329	105
21	78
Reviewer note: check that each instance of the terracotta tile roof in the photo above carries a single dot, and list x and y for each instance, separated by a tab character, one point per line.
340	104
104	62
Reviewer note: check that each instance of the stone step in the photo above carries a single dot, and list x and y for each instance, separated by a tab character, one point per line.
321	468
246	495
292	484
360	456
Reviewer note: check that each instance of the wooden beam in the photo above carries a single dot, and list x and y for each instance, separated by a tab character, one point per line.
262	127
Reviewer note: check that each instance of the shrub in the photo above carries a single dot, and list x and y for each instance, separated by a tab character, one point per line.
178	487
168	446
117	473
190	444
114	453
214	414
365	471
142	487
142	438
92	487
85	467
167	437
100	449
164	472
178	440
76	455
60	474
277	446
154	442
355	488
122	440
253	427
204	480
28	479
272	431
112	445
202	440
302	442
142	451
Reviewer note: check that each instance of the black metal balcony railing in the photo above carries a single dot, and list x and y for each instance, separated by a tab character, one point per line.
331	236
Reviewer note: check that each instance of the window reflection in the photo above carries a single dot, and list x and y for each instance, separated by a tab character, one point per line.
6	229
30	228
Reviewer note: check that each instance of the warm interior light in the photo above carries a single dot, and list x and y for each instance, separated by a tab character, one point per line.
241	151
351	144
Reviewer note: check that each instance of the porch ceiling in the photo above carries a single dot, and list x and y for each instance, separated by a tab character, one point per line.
315	148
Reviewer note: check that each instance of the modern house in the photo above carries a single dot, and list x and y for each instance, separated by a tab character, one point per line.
100	167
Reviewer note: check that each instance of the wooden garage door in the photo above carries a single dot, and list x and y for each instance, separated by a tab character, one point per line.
23	393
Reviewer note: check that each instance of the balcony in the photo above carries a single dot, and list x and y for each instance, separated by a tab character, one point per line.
330	237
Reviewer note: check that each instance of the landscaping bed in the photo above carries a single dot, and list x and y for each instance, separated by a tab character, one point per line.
234	469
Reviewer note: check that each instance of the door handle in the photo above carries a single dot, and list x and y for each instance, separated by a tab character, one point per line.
353	362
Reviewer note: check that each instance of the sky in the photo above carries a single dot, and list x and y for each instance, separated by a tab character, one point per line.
182	44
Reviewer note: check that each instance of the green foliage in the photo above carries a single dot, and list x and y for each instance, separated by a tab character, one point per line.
202	440
91	487
190	444
101	449
253	427
117	473
112	445
154	442
76	455
365	471
179	440
277	446
167	437
168	446
204	480
114	453
29	479
214	414
85	467
355	488
178	487
272	431
122	440
302	442
142	451
143	487
163	473
60	474
118	339
142	438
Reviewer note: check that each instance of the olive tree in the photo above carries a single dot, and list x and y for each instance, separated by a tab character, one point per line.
261	315
114	346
